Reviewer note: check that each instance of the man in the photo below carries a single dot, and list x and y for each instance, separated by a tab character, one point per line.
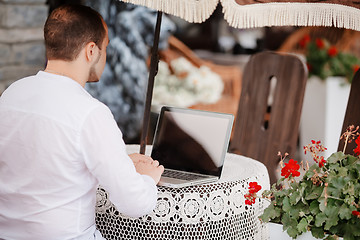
57	143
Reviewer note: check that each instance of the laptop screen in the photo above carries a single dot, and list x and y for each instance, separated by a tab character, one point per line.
192	140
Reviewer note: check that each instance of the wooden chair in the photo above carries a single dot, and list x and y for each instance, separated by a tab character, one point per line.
269	108
352	114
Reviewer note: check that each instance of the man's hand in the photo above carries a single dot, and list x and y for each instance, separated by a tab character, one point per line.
146	165
137	157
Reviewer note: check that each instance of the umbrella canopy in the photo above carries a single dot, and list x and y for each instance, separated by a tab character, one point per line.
248	14
261	13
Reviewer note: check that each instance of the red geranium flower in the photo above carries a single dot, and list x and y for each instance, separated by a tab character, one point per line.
250	199
355	68
250	202
304	41
322	161
320	43
292	168
357	149
309	67
254	187
332	51
355	213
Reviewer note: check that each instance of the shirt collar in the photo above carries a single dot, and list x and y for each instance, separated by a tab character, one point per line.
48	75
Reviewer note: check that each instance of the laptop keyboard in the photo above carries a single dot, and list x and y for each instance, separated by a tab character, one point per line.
181	175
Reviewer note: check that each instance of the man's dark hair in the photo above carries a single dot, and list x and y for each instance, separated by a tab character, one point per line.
69	28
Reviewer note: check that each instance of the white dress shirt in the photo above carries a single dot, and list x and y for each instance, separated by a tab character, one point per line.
57	143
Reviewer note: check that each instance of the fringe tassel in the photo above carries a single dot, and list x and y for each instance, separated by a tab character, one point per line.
290	14
194	11
260	14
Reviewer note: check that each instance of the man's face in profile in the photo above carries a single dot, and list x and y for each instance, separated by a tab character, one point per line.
98	66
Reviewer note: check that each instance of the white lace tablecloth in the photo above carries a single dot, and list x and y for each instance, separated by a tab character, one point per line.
215	211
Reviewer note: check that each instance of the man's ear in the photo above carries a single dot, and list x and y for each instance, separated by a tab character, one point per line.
91	51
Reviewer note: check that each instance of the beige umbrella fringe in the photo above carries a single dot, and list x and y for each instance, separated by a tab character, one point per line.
250	15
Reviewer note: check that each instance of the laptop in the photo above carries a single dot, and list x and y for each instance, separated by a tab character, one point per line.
191	145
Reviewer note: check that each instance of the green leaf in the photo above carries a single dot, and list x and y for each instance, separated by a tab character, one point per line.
335	157
342	172
309	218
266	193
314	207
320	219
347	229
271	212
309	173
286	204
345	212
290	225
317	232
296	210
294	185
350	160
351	232
332	213
302	226
315	192
280	193
357	190
295	198
349	199
354	172
322	205
292	232
350	189
336	186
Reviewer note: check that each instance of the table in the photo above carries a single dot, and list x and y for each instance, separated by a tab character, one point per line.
215	211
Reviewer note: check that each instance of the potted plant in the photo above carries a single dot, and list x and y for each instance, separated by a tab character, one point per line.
324	60
327	91
324	201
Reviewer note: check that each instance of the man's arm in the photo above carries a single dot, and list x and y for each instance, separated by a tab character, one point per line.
145	165
133	193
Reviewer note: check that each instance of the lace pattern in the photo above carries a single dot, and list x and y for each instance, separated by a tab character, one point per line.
209	211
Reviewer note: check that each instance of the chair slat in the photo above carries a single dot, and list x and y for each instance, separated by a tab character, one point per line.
252	137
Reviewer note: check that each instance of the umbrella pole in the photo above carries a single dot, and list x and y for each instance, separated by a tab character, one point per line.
153	71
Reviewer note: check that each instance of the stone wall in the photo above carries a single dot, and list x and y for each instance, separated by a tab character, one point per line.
22	50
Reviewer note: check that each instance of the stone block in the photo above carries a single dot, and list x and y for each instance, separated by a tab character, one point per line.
31	54
15	72
2	14
22	16
36	55
5	54
23	1
4	85
21	35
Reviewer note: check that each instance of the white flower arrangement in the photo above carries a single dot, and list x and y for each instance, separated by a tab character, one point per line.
186	85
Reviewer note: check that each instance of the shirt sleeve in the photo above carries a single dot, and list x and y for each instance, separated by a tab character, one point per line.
106	158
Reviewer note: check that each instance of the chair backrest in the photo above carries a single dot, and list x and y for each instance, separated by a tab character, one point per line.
269	109
352	114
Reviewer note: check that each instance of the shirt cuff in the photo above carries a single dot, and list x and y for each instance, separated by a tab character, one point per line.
149	179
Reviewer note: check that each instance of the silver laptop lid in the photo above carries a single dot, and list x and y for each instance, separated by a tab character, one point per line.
192	140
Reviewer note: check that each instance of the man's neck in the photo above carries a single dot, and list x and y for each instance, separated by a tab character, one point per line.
68	69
